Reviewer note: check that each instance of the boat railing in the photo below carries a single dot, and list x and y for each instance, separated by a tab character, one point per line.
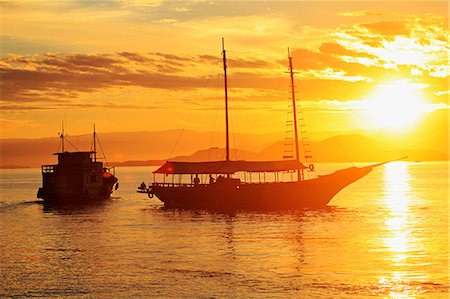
178	185
48	168
174	185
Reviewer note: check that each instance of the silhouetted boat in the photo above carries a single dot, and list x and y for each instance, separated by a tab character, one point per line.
78	177
232	186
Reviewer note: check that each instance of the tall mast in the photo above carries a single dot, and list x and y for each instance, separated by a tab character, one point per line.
227	148
62	136
95	145
294	112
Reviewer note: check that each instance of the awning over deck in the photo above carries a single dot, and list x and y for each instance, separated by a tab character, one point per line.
227	167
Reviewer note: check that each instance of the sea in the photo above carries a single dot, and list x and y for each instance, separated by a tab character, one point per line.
385	236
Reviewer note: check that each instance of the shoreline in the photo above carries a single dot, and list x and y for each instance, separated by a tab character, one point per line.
154	164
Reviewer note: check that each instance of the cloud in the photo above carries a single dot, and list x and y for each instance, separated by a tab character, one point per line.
367	13
440	93
57	78
136	57
331	74
388	28
417	42
334	48
140	3
330	64
348	62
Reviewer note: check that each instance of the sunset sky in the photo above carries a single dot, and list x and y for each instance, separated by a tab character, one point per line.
156	65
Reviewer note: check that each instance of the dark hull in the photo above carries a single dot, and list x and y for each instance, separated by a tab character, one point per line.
314	193
66	194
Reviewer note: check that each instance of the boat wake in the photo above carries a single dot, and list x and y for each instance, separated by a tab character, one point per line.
5	205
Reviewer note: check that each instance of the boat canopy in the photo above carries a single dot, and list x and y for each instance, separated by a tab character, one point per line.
227	167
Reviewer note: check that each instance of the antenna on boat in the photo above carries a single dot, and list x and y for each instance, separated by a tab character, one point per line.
227	148
294	112
95	145
62	136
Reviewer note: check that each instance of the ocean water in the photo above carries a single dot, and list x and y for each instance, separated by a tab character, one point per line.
384	236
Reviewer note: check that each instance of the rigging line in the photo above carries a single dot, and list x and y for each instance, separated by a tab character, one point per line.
65	121
306	151
216	110
103	153
243	138
337	140
214	120
234	140
286	130
181	133
72	144
367	122
385	137
233	135
188	119
329	129
371	126
59	146
257	118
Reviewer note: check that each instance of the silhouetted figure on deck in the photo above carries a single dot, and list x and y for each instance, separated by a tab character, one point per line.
211	179
196	180
142	186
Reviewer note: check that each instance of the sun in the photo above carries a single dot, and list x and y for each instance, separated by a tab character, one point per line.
395	105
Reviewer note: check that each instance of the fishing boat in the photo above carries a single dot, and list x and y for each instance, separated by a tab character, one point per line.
236	185
78	177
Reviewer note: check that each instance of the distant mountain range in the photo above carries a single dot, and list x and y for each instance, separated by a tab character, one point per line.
153	148
123	146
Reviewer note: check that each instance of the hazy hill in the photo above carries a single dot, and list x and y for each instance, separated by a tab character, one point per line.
347	148
119	147
215	154
152	148
344	148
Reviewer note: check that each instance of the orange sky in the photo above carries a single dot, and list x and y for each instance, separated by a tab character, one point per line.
155	65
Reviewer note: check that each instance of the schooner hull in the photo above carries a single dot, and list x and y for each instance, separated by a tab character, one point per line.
313	193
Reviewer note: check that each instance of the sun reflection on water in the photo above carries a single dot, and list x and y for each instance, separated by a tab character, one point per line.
397	195
399	240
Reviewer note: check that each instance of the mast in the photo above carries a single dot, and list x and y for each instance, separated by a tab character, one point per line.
294	112
227	148
95	145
